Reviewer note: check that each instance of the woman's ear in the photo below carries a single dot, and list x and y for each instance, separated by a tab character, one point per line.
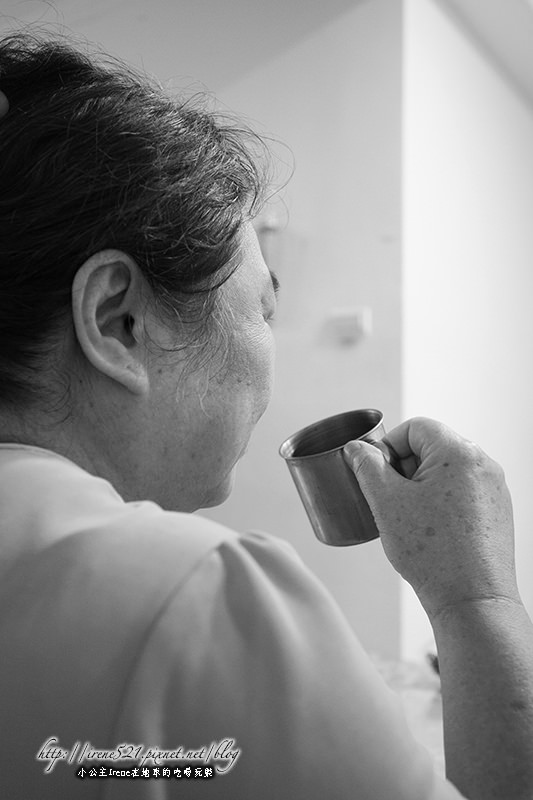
108	303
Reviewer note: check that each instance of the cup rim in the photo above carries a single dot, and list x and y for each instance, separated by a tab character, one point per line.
289	442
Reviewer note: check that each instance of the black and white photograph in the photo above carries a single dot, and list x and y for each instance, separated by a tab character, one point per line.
266	381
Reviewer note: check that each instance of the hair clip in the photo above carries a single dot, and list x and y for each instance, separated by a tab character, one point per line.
4	104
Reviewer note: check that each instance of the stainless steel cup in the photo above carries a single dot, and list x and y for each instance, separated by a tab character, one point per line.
328	488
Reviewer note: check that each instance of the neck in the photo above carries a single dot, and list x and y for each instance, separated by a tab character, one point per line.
79	440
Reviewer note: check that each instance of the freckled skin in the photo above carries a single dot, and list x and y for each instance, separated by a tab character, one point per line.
452	545
458	557
201	422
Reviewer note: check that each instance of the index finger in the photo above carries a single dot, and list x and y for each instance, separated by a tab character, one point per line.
418	438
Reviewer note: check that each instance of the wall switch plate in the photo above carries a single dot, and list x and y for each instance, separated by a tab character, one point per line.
346	327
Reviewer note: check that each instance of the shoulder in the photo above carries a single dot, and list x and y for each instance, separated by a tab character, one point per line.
252	656
59	521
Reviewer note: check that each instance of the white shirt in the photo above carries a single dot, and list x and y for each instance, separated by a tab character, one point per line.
124	624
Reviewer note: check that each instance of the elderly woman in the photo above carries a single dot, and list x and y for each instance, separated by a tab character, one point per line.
136	357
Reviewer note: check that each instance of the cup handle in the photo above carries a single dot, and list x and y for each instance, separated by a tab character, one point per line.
390	454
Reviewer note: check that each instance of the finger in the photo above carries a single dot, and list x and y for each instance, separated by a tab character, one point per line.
372	469
405	466
417	438
389	453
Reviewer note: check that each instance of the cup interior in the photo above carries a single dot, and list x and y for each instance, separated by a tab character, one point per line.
331	433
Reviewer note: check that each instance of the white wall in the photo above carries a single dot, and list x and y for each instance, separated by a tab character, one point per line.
209	42
468	260
335	97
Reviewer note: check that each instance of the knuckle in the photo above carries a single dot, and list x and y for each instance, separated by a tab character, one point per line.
497	471
427	424
461	453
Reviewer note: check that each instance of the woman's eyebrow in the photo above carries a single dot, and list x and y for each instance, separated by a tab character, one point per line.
275	281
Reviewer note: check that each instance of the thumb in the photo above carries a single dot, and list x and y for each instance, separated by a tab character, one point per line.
371	466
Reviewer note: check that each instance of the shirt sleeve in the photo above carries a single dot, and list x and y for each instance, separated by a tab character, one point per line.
252	668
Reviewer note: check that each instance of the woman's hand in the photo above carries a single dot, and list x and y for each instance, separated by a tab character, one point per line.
446	522
446	525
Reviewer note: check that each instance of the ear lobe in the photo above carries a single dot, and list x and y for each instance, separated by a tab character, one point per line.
108	302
